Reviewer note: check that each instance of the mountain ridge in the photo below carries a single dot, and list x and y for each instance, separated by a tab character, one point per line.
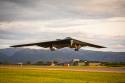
15	55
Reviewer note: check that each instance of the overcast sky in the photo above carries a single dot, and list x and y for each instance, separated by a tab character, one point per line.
100	22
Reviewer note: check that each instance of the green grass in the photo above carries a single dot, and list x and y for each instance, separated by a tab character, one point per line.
38	75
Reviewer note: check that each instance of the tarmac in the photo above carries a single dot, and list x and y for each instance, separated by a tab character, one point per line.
82	69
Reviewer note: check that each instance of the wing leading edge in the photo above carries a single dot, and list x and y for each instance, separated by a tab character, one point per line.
67	42
83	44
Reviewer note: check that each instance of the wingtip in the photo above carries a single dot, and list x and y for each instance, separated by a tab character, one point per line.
103	47
13	46
10	46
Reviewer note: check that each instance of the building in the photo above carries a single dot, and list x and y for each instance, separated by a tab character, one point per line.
95	63
75	62
78	62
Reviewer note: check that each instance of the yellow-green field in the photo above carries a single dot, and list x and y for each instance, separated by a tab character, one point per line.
35	74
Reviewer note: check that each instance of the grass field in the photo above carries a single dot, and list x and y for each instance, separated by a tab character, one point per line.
40	75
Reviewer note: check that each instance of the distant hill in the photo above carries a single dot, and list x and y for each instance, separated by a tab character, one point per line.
15	55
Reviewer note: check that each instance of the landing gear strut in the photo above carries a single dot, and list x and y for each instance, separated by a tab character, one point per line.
77	47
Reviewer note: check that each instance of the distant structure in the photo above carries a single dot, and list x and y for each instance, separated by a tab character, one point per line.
52	63
95	63
78	62
83	63
67	64
75	62
20	64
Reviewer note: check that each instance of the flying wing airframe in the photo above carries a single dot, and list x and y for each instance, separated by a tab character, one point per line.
61	43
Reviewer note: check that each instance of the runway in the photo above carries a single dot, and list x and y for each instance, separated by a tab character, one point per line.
71	68
122	70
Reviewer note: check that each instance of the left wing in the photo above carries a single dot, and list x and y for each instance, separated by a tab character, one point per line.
83	44
92	45
56	43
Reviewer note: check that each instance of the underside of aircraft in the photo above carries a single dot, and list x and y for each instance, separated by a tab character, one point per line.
61	43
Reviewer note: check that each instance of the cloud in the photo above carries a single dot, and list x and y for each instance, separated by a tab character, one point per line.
119	46
95	21
16	10
91	26
36	31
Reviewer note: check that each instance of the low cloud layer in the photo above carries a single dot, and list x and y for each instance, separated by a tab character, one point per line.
106	34
13	10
